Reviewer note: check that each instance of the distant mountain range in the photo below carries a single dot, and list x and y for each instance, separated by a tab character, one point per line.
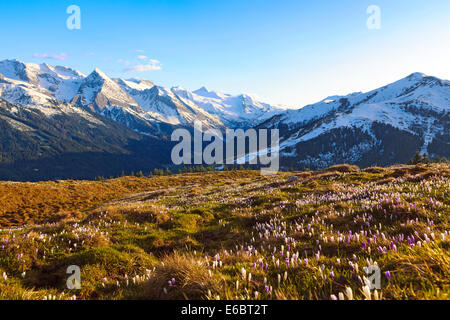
56	122
138	104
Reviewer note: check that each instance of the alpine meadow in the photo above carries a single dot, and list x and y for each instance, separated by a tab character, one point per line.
306	155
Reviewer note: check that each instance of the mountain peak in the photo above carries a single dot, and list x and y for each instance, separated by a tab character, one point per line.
100	73
416	76
11	61
204	92
134	84
201	91
14	69
142	81
178	88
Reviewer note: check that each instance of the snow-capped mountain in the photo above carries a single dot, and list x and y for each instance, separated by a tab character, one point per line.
383	126
41	87
53	112
61	83
163	105
99	92
138	104
235	111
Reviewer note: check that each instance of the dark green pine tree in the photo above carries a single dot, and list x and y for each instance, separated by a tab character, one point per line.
417	158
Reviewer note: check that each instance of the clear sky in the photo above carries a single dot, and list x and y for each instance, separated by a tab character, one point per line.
292	52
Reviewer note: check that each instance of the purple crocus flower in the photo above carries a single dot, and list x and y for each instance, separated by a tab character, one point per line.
388	275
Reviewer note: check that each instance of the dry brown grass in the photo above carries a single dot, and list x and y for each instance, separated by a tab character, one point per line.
344	168
192	280
311	181
430	264
411	173
404	170
375	170
28	203
132	212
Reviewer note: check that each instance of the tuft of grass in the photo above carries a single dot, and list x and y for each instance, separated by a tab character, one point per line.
344	168
192	280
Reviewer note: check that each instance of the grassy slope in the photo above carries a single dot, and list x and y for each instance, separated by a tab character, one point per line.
130	236
25	203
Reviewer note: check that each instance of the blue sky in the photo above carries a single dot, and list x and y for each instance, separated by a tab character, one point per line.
293	52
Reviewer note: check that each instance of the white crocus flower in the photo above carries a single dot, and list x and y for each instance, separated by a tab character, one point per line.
349	293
